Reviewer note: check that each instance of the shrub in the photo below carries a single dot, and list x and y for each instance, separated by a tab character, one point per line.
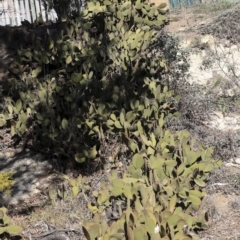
6	182
77	78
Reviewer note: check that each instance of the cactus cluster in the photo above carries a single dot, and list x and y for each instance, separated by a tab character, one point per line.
5	226
156	197
70	81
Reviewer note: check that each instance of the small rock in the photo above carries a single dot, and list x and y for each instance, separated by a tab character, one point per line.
236	204
230	164
29	162
237	161
234	161
227	44
230	93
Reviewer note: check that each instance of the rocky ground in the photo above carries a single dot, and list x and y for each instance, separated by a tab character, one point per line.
210	33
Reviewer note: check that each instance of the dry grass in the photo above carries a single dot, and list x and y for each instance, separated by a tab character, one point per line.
69	213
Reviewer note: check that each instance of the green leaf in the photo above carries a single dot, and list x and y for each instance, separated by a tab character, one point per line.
134	44
156	162
23	128
107	3
117	183
118	125
133	146
117	191
76	77
138	161
138	206
36	72
92	153
23	117
103	196
113	117
90	75
150	151
166	215
89	123
150	225
153	139
18	105
79	158
191	156
1	214
160	172
181	169
130	116
173	220
195	200
13	129
122	118
68	59
183	194
180	224
64	123
162	5
139	234
110	122
52	194
209	167
6	219
131	180
94	231
195	193
145	140
139	5
2	122
28	55
4	210
42	94
200	182
10	109
75	190
14	229
116	236
171	163
93	209
172	203
127	191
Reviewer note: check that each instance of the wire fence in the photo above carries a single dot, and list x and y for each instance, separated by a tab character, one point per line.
183	3
13	12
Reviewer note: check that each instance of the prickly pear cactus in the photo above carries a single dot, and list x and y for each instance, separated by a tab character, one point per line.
71	81
5	226
156	197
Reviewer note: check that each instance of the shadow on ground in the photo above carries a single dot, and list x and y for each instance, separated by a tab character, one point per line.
33	174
